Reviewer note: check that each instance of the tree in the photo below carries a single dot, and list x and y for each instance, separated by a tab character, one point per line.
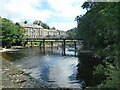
38	22
44	25
25	22
99	28
11	33
72	32
53	28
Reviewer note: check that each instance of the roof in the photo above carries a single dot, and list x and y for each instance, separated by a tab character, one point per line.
29	25
37	26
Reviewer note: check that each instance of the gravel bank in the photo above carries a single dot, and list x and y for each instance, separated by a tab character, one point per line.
13	77
7	50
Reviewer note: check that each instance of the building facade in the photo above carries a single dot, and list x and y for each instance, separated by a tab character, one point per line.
37	31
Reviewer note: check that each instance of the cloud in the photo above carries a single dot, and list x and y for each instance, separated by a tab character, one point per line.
18	10
64	25
56	12
67	8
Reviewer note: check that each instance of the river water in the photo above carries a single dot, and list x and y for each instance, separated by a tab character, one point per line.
51	67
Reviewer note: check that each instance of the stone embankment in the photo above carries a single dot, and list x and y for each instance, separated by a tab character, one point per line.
14	77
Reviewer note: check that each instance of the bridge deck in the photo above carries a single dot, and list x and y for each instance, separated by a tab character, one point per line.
53	39
63	40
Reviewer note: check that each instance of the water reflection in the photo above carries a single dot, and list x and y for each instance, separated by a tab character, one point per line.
61	72
51	67
86	68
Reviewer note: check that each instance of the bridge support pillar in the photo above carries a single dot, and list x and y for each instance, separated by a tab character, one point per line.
44	45
31	44
75	47
51	44
64	44
40	44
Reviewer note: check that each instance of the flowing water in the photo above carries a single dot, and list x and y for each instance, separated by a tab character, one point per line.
50	67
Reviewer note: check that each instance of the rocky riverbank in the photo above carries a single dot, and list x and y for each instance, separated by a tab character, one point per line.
14	77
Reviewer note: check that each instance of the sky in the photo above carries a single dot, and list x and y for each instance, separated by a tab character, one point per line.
56	13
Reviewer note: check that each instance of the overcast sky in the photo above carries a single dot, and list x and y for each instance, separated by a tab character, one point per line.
56	13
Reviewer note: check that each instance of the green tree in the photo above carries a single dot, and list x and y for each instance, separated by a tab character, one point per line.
99	28
44	25
53	28
11	33
38	22
72	32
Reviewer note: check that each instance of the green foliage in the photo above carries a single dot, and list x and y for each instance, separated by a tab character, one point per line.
11	33
38	22
111	74
53	28
44	25
99	28
72	32
99	69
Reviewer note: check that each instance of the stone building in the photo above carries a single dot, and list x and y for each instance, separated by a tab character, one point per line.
37	31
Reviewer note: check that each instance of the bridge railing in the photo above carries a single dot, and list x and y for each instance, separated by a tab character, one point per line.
53	38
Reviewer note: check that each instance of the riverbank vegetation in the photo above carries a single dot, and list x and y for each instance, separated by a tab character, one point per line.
72	32
11	33
99	28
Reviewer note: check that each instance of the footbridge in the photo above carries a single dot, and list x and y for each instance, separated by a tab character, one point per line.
63	42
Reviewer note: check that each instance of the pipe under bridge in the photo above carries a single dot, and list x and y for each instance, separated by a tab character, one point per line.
52	40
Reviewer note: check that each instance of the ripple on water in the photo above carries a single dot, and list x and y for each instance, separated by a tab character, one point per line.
59	71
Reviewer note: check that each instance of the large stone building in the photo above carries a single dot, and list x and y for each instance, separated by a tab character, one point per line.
37	31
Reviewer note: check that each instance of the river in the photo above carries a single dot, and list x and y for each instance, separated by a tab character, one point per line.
51	67
57	70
